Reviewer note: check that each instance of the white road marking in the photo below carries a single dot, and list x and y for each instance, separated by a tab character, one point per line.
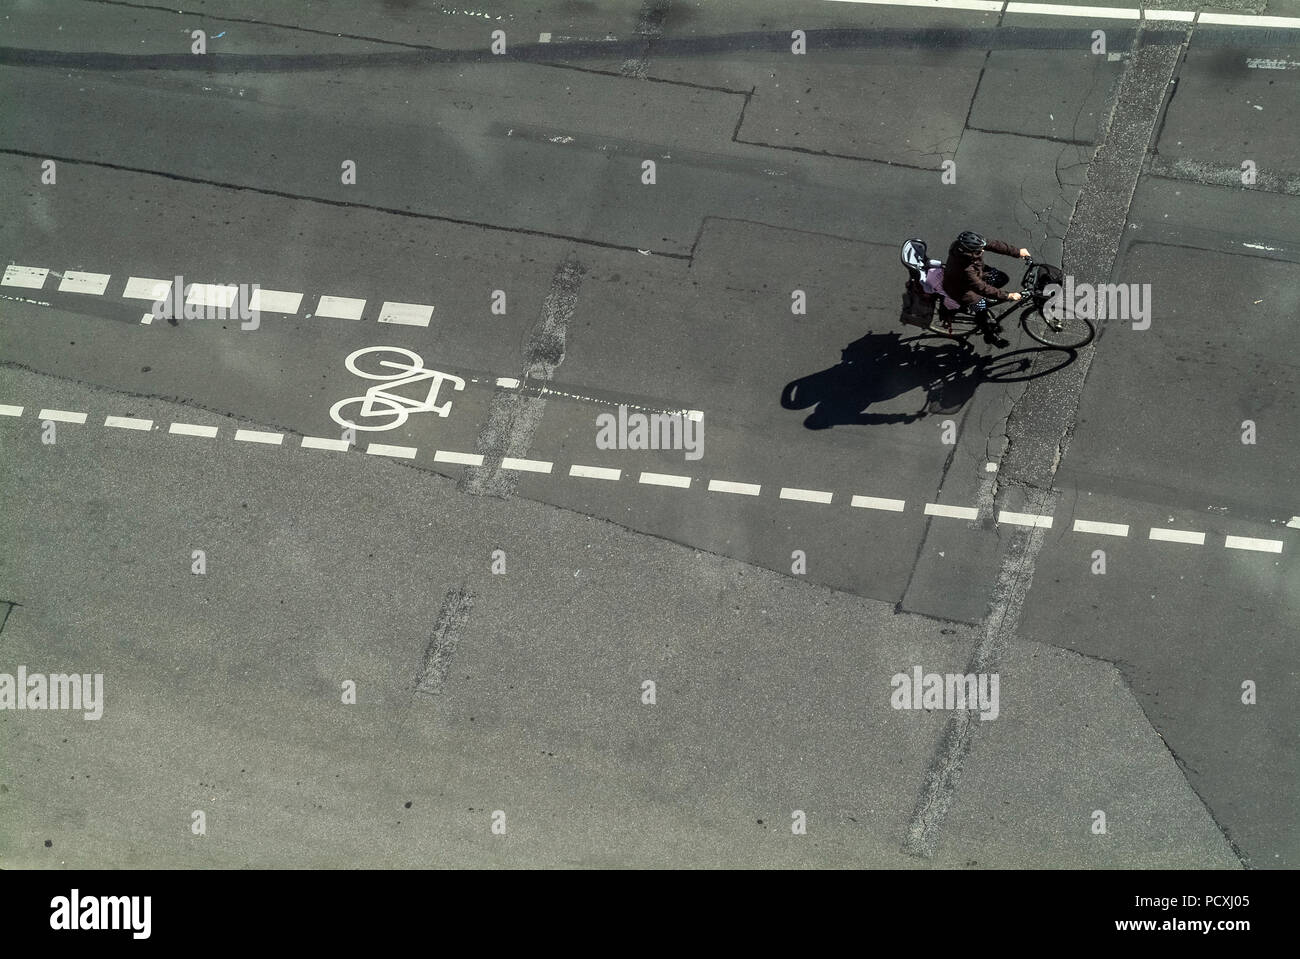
530	466
990	467
509	382
340	307
1036	520
1067	10
1261	64
954	512
1183	16
257	436
406	314
1238	20
595	472
30	277
989	6
1261	246
465	459
543	38
1105	529
1177	536
1260	545
274	301
1292	523
62	416
665	479
695	416
806	495
128	423
147	318
724	486
876	502
216	295
383	449
7	410
323	443
143	288
92	284
191	429
1062	10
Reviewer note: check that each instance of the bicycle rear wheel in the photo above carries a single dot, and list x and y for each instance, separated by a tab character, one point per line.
1066	332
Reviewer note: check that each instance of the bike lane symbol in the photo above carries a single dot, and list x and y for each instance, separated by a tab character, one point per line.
380	408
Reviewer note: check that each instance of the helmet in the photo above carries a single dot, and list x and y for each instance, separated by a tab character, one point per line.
970	242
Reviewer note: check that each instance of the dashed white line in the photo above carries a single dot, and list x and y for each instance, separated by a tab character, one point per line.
92	284
7	410
406	314
324	443
1067	10
257	436
274	301
62	416
1036	520
340	307
1239	20
878	502
1177	536
128	423
988	6
383	449
665	479
953	512
143	288
595	472
528	466
725	486
1247	542
219	295
1105	529
465	459
192	429
509	382
806	495
29	277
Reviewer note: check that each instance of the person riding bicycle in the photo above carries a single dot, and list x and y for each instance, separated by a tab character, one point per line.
974	285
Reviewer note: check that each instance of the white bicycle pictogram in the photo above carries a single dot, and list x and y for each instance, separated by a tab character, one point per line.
379	402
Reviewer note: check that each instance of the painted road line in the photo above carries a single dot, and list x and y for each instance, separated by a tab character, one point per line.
1256	63
724	486
465	459
953	512
1036	520
529	466
543	38
1182	16
509	382
7	410
1239	20
147	318
218	295
340	307
383	449
257	436
806	495
1259	545
1068	10
1105	529
1177	536
665	479
695	416
143	288
322	443
1292	523
128	423
192	429
29	277
92	284
62	416
988	6
877	502
274	301
595	472
406	314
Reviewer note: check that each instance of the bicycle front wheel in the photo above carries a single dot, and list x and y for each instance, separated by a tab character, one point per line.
1066	332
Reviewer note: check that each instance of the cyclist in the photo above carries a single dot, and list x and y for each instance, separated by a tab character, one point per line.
973	284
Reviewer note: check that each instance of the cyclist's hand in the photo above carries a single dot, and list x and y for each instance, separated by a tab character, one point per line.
1024	254
1013	296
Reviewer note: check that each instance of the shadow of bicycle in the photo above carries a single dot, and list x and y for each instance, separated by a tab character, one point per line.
883	366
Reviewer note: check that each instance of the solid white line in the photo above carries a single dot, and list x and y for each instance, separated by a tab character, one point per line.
1036	520
257	436
212	294
1239	20
142	288
128	423
531	466
509	382
274	301
382	449
1105	529
806	495
31	277
322	443
665	479
7	410
876	502
406	314
340	307
989	6
466	459
724	486
1177	536
955	512
595	472
62	416
92	284
1067	10
190	429
1246	542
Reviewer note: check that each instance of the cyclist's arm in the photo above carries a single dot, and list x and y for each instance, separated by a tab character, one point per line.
998	246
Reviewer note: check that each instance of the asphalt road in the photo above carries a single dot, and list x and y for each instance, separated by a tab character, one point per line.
867	499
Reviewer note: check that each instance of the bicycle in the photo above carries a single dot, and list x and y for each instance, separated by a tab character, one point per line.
380	401
1067	331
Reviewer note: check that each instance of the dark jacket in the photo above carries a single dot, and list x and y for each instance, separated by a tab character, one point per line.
963	278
